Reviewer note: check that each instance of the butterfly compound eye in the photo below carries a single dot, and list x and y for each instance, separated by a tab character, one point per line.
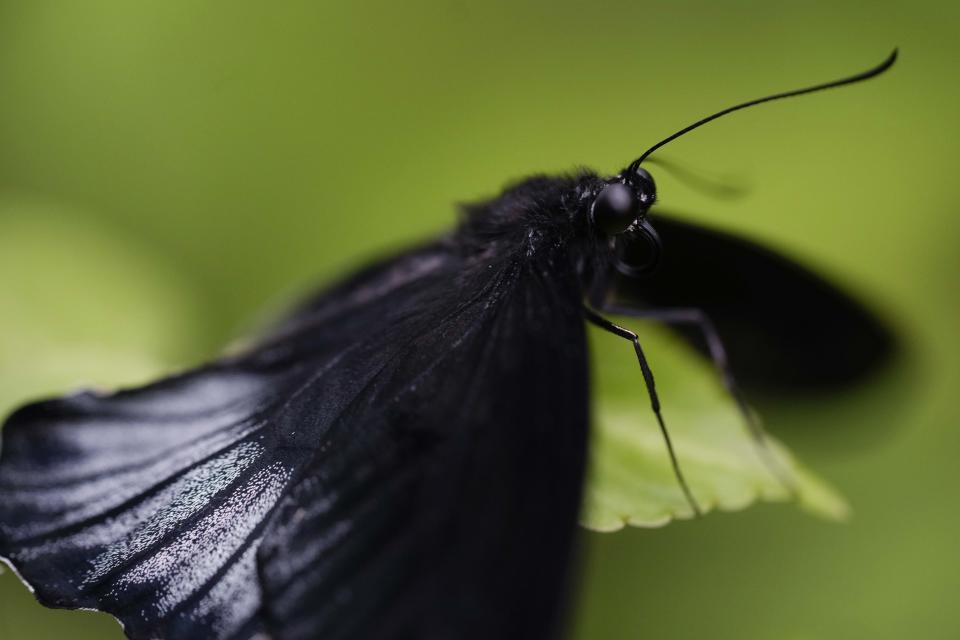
645	186
615	208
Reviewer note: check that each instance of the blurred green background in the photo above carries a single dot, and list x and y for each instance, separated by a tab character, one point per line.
170	170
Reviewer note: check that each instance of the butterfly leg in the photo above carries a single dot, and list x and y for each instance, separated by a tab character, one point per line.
648	380
718	354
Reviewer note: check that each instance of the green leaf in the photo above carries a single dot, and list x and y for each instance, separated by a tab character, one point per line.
631	482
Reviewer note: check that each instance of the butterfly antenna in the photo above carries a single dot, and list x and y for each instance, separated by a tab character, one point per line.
866	75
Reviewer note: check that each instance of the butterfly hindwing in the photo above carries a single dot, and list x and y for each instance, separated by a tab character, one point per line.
786	328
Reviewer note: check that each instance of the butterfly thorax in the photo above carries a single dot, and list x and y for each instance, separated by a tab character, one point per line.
543	219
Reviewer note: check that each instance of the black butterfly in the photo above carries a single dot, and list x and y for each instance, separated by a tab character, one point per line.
403	456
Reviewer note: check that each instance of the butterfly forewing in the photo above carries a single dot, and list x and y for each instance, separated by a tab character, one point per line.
459	523
398	459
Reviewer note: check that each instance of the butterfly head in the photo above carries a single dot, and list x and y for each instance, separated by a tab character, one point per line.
619	211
